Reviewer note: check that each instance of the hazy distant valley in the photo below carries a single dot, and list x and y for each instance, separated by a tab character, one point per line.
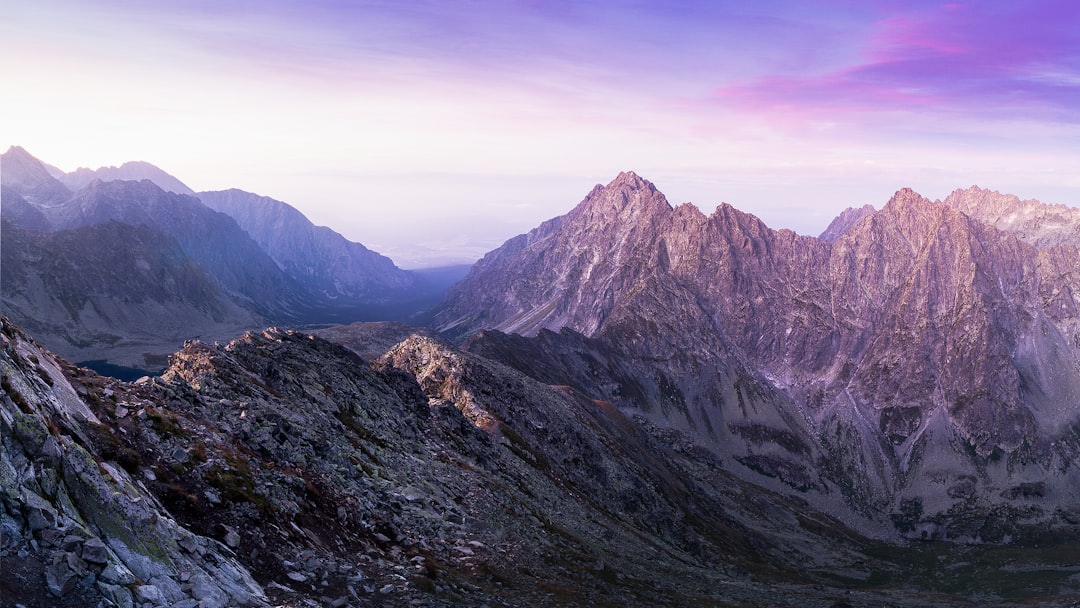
632	404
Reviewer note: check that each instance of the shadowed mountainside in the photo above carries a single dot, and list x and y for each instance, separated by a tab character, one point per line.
315	255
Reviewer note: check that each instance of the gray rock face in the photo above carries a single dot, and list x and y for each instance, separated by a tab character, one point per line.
119	596
94	552
920	345
60	579
59	496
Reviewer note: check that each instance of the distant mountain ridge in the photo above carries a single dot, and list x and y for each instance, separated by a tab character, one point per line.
214	240
847	218
295	273
315	255
914	350
1044	226
133	171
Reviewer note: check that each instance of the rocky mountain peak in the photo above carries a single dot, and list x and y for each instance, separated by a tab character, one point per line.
847	218
632	180
18	163
979	201
627	198
1039	224
27	176
914	220
129	171
17	158
907	200
732	219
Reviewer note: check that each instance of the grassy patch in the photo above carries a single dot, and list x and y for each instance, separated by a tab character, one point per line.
236	482
166	424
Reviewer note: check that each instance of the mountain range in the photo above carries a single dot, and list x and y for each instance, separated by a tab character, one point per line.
259	262
632	404
922	355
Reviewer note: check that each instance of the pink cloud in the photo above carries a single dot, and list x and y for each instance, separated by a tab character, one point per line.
987	61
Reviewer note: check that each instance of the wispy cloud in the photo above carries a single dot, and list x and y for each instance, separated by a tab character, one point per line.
990	61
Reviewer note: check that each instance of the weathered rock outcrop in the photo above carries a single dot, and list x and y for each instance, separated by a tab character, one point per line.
78	526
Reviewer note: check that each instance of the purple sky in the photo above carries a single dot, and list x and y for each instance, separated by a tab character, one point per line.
433	131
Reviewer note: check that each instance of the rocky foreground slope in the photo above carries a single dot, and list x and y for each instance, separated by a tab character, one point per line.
922	365
283	469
